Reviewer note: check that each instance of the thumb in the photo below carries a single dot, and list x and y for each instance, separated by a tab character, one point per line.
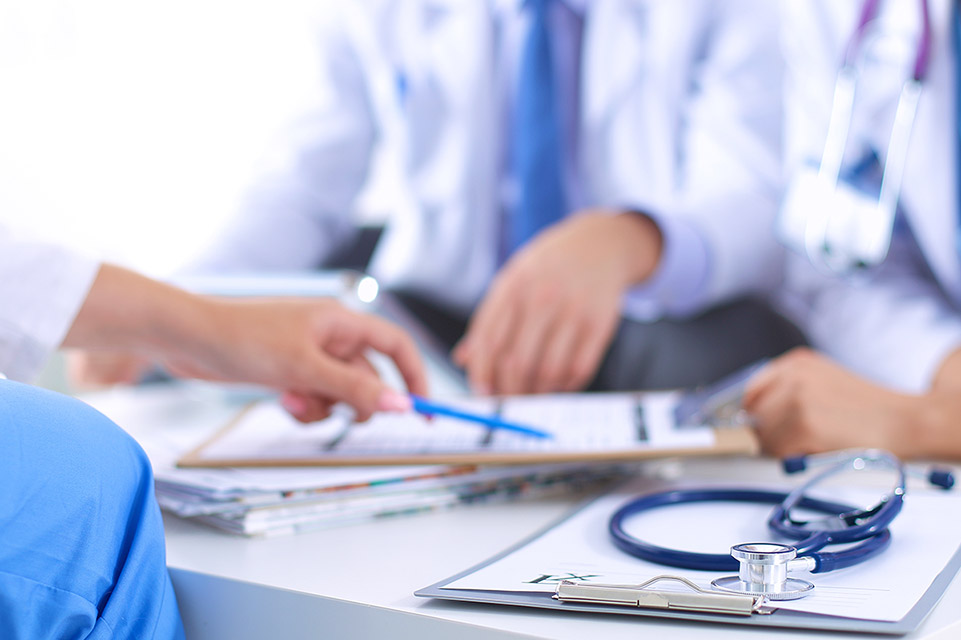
756	385
461	352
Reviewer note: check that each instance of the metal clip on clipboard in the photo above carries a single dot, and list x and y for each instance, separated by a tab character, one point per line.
639	595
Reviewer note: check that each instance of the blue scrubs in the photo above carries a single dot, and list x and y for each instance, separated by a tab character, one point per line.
81	538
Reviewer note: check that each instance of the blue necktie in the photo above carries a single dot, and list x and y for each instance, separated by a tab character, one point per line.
536	143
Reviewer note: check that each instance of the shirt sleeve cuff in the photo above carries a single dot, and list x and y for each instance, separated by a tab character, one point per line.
679	283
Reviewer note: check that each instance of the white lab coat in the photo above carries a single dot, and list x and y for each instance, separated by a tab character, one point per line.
42	287
679	115
897	327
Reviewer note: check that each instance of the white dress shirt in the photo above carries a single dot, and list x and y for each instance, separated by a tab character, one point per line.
682	271
430	82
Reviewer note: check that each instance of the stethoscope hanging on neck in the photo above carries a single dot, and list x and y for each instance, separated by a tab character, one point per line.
838	228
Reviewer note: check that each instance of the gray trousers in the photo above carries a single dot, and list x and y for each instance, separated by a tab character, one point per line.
665	354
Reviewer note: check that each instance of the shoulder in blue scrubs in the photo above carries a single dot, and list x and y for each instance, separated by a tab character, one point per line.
81	538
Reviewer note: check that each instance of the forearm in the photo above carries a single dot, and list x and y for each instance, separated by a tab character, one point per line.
312	350
128	311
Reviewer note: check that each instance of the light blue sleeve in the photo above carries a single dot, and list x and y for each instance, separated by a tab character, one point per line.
677	286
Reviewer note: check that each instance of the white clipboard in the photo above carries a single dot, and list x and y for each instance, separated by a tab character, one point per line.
686	604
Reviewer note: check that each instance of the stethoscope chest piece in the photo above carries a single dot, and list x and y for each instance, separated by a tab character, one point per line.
763	572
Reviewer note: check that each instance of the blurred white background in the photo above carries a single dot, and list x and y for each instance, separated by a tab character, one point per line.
128	128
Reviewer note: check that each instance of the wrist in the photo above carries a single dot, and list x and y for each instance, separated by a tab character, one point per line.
642	243
932	426
187	324
909	432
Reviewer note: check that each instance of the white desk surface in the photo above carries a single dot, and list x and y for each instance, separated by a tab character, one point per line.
357	581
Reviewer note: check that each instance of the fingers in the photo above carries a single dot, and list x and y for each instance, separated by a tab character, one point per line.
547	350
774	398
519	356
757	385
558	351
333	367
593	339
306	408
482	347
554	372
393	342
357	386
548	339
775	421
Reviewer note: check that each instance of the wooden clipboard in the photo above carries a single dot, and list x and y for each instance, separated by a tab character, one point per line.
218	452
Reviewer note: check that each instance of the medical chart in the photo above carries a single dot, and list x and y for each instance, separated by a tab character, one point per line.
603	426
884	588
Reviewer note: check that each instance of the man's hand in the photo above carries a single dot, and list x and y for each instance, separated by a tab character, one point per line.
802	403
551	312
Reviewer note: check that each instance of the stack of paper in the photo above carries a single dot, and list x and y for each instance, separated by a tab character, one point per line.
169	420
256	471
278	476
282	501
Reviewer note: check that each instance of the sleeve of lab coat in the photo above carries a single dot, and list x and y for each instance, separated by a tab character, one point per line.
298	209
42	287
895	328
730	150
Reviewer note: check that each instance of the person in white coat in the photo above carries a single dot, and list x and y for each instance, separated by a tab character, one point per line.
664	166
887	372
81	538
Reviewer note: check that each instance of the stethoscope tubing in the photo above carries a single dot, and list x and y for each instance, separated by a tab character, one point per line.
873	539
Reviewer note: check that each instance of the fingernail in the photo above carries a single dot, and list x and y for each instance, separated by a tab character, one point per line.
392	400
293	404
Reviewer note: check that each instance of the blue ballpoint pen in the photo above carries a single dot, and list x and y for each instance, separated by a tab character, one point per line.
429	408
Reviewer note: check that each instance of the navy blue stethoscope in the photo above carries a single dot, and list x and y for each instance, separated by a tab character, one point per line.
763	566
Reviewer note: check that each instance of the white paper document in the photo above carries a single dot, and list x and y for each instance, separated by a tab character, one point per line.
924	538
578	423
